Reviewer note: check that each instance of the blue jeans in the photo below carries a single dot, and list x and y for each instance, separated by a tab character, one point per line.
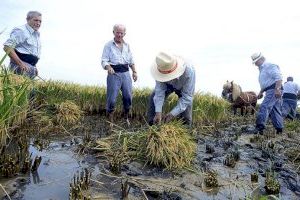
16	69
115	82
289	108
270	107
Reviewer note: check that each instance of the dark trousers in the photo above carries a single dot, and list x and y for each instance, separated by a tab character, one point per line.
289	108
186	116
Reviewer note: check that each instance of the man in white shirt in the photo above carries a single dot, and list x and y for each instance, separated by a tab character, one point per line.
24	46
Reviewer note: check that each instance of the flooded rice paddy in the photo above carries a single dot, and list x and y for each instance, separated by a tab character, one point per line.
63	158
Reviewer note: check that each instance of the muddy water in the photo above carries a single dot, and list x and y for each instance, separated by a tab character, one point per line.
60	161
51	181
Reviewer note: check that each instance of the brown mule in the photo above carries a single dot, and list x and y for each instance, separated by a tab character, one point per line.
233	93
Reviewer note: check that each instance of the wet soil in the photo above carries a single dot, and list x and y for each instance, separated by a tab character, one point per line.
63	156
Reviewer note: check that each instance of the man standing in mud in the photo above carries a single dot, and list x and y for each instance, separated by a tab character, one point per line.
172	74
24	46
117	59
291	91
270	80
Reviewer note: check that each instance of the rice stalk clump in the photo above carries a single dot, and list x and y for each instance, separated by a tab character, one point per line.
67	113
42	120
169	145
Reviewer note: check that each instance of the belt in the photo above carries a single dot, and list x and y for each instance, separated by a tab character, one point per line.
120	67
271	87
289	96
28	58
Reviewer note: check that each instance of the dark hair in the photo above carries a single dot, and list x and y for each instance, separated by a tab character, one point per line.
289	78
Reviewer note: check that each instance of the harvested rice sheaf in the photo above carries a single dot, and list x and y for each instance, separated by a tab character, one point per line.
169	145
67	113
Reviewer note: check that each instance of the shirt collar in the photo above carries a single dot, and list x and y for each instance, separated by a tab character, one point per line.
31	30
122	42
262	65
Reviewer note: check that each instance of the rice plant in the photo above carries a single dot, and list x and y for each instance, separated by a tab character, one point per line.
293	125
208	109
14	103
67	113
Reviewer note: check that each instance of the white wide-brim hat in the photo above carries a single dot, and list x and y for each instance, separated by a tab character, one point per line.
256	56
167	67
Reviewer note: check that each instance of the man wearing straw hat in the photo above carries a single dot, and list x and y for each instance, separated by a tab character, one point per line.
24	46
172	74
270	80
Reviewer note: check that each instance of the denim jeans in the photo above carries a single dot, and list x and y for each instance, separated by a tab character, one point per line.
115	82
270	107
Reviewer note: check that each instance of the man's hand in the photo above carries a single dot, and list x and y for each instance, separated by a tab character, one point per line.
169	117
260	95
157	118
110	70
277	93
134	76
24	67
36	72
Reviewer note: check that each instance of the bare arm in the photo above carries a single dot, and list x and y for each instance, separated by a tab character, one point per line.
278	88
13	55
134	73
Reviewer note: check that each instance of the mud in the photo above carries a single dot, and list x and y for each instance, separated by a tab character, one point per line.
61	160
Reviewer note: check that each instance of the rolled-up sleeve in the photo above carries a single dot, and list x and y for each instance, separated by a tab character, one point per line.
105	56
16	37
187	95
159	97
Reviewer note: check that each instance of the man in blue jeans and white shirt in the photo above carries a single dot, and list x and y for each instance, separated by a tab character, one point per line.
117	59
291	91
270	80
172	74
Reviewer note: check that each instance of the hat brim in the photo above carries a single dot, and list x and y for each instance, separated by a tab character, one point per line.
170	76
254	61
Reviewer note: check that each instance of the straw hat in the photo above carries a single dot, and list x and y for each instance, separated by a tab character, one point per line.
167	67
256	56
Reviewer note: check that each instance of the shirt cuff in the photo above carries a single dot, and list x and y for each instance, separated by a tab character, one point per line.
175	112
105	64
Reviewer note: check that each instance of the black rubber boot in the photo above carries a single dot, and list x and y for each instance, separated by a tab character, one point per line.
278	130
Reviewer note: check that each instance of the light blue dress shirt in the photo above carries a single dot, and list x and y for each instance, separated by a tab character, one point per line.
25	40
291	87
112	55
268	74
185	83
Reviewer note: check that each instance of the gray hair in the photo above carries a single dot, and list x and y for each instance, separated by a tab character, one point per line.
119	26
32	14
290	78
